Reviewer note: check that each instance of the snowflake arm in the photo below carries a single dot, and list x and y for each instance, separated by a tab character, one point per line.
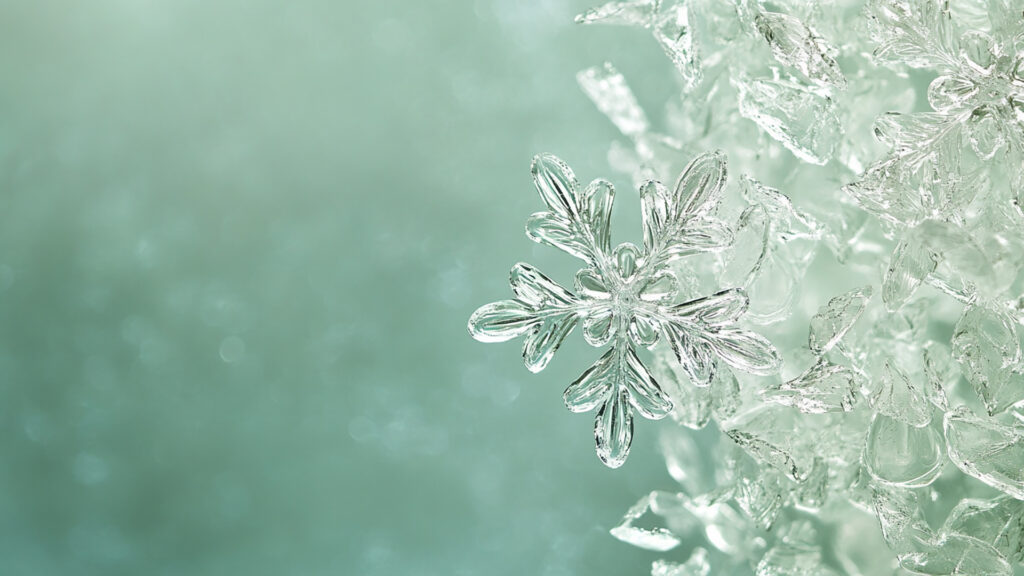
625	297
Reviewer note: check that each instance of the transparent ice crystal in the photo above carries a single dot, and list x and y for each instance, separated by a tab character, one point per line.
875	235
626	296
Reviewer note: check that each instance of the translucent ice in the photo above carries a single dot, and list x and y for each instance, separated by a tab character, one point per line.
999	522
987	450
824	387
835	319
626	297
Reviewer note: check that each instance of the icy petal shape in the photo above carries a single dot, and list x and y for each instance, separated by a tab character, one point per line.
540	345
747	351
600	197
674	32
669	217
824	387
592	388
956	555
607	88
507	319
985	133
693	356
618	369
599	326
696	565
590	284
899	397
910	264
801	120
998	522
719	309
661	287
978	49
501	321
986	345
644	393
835	319
531	286
951	92
613	429
671	510
794	44
557	185
630	13
986	450
578	220
643	330
902	455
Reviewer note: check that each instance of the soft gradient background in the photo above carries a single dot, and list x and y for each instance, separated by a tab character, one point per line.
239	243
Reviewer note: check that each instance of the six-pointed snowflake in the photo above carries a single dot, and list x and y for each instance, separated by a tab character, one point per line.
625	297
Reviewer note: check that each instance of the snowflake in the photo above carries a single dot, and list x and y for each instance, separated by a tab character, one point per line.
978	96
924	186
626	296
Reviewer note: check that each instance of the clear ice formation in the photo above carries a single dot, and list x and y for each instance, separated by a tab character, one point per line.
874	235
626	297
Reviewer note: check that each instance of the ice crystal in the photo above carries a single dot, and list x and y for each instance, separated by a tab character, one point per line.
875	235
626	297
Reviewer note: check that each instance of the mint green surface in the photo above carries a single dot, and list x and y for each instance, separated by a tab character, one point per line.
239	242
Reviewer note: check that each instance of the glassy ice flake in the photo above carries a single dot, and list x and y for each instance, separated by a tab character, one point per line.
626	296
835	319
824	387
989	451
998	522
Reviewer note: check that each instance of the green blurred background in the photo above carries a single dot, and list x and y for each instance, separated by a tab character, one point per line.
239	243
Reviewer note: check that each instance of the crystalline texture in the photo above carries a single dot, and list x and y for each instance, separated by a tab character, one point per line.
900	454
794	555
986	345
794	44
674	32
835	319
625	298
901	398
824	387
999	522
956	555
802	120
635	13
987	450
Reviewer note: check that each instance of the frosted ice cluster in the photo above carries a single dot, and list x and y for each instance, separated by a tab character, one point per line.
826	308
